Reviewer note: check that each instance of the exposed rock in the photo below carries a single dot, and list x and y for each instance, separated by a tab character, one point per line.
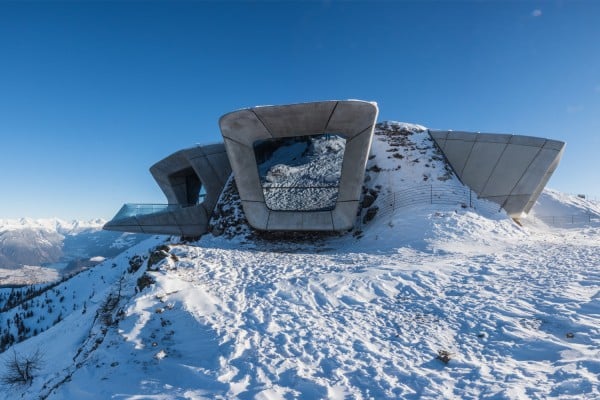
370	214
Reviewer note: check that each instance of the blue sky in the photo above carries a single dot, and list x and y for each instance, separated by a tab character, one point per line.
93	93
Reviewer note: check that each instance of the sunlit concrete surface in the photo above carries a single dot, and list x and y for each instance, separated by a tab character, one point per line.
354	120
510	170
192	181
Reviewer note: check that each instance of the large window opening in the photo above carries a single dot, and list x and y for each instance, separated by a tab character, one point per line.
300	173
188	187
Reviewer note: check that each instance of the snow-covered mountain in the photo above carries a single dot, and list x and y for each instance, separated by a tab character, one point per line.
434	299
35	251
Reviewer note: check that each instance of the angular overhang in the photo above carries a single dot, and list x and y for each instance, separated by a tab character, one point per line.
354	120
180	176
510	170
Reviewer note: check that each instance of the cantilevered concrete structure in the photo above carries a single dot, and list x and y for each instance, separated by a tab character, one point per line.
192	180
353	120
510	170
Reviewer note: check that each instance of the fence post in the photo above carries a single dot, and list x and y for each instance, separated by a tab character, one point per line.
470	198
431	193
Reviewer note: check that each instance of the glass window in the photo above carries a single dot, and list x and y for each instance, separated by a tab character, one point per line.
300	173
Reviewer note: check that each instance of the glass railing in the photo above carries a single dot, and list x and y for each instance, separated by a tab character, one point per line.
131	210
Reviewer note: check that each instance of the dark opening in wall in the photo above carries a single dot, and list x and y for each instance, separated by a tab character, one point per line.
188	187
300	173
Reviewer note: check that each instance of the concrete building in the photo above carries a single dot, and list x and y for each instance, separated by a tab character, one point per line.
353	120
510	170
192	181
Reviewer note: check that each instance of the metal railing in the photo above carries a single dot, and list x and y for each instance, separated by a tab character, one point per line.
559	220
444	194
454	194
274	186
301	198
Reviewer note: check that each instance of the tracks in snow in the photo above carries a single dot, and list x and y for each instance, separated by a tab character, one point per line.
371	325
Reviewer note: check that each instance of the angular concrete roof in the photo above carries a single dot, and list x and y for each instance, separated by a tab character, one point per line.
180	177
353	120
208	162
510	170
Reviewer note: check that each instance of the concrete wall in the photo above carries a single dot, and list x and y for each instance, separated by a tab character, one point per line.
510	170
178	175
209	163
352	119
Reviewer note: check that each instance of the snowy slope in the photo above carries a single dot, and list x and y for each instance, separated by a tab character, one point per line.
514	310
553	203
37	251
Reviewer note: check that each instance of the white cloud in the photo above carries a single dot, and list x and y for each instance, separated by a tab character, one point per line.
536	13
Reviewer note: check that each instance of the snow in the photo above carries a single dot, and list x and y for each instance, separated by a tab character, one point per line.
554	203
359	315
303	174
52	224
30	274
33	251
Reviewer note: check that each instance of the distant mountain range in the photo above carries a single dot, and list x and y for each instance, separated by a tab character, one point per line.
44	242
